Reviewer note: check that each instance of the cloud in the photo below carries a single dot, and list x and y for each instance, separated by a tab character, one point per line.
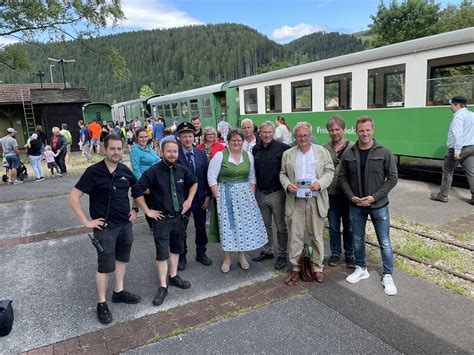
6	40
146	14
287	33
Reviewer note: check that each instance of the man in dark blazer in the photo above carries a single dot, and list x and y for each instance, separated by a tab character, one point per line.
196	161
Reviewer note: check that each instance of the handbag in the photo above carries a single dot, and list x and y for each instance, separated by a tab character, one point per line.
306	270
6	317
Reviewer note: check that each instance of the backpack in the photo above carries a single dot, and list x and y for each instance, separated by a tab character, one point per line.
68	136
6	317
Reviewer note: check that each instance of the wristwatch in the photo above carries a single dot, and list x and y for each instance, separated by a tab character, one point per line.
135	209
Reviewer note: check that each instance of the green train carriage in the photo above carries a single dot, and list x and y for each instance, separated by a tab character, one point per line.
405	87
101	111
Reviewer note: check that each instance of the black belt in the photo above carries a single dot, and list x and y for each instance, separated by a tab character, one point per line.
268	192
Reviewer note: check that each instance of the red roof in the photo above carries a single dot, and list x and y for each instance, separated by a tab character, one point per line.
11	93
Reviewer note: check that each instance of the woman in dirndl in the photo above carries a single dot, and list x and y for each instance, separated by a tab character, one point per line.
231	177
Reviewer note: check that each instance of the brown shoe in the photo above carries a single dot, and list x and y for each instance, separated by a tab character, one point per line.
438	197
318	276
293	278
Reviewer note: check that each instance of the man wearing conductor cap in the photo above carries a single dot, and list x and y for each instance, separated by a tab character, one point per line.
460	148
196	161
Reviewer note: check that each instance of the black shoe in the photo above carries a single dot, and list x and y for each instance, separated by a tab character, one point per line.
103	314
178	282
182	263
263	256
280	263
203	259
160	296
350	263
333	260
125	297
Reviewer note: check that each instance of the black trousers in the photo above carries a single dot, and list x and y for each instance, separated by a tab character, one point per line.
199	217
61	163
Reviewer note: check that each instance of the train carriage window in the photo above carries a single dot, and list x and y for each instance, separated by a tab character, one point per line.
337	94
386	87
273	98
161	112
250	101
174	107
194	108
184	109
301	96
167	111
206	107
448	77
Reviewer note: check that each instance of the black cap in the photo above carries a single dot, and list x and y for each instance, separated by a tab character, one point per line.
458	100
185	127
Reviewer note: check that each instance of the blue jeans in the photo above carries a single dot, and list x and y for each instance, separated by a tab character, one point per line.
381	220
339	209
36	165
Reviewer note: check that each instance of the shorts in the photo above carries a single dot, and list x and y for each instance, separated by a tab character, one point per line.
13	161
95	142
169	237
117	244
68	149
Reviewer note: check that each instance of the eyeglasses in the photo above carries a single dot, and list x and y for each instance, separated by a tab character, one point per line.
303	136
236	141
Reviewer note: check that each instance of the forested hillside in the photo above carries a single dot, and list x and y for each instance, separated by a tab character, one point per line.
176	59
322	45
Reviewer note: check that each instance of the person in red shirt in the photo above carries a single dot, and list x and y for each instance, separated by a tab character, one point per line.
211	144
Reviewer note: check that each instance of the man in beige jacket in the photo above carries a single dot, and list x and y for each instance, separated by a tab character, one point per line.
306	173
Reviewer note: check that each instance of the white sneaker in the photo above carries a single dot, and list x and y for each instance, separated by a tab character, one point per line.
388	285
359	274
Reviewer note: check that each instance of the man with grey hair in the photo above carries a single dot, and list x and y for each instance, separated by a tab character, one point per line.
269	193
250	139
59	147
338	202
306	173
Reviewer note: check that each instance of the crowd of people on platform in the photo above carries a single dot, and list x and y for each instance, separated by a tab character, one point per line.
249	180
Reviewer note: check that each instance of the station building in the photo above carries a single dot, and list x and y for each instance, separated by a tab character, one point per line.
24	106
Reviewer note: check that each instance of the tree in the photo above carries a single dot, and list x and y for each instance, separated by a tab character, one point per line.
146	91
27	21
453	18
405	21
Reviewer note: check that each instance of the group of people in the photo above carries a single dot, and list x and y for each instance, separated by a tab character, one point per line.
37	149
249	183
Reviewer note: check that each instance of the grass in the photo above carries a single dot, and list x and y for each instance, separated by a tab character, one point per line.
155	339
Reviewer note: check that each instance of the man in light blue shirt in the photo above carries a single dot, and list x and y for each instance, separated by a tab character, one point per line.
460	148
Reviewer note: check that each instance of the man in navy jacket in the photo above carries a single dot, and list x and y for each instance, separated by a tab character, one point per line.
196	161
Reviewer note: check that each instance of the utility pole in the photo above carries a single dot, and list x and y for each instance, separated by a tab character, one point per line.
51	72
40	74
62	61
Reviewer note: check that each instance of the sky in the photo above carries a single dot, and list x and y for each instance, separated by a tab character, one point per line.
280	20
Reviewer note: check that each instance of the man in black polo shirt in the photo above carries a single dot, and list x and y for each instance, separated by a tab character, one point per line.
167	182
107	183
270	195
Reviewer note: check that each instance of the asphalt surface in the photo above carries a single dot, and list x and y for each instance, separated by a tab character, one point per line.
52	285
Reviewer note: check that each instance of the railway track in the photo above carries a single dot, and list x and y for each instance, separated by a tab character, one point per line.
469	248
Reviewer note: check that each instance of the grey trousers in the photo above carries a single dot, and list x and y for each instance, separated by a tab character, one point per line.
466	161
273	205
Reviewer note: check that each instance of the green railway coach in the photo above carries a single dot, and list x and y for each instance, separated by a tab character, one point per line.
405	87
101	111
207	103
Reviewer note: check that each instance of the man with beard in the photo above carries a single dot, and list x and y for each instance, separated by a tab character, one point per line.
107	183
169	184
198	136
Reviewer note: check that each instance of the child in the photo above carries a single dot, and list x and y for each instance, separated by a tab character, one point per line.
49	155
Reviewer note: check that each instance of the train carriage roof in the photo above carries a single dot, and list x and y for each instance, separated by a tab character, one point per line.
189	93
417	45
95	104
